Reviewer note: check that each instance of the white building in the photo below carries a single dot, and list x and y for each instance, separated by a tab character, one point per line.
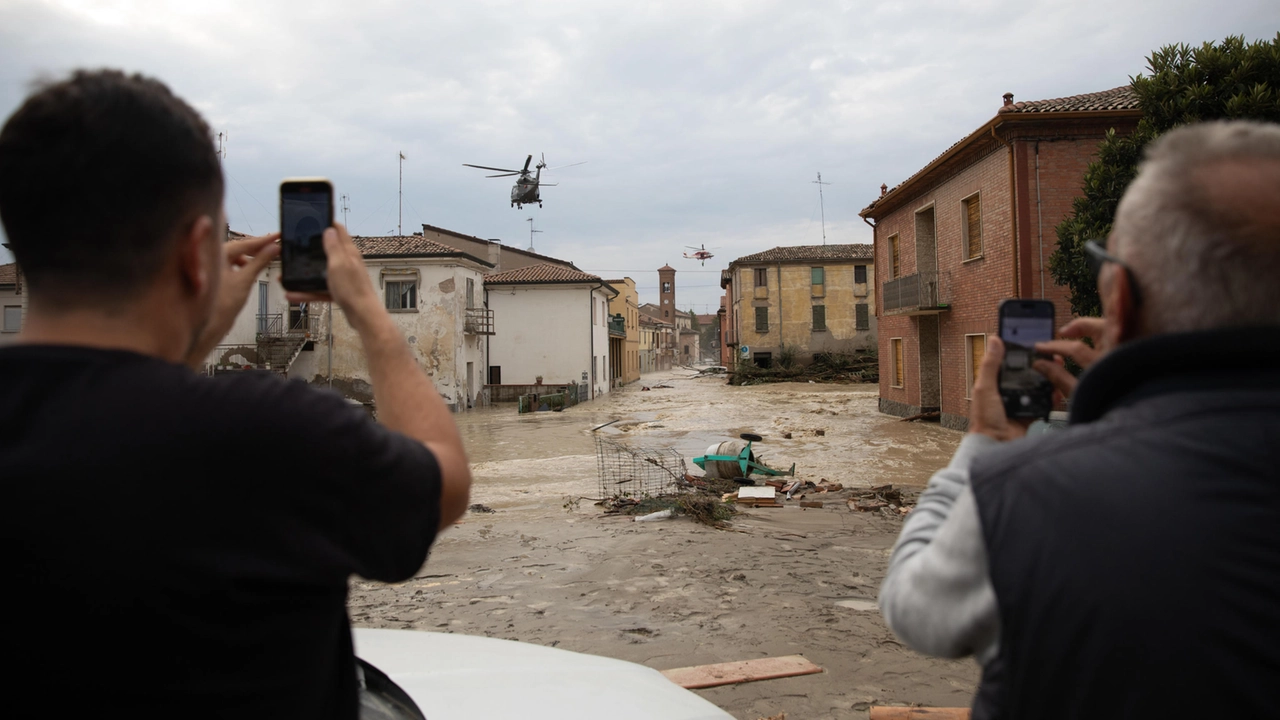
551	327
434	293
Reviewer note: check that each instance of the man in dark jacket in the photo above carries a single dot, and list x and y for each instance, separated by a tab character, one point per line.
1129	565
177	545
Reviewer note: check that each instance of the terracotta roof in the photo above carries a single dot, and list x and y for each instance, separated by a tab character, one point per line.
400	245
1121	98
666	267
1116	99
9	274
544	273
791	253
500	244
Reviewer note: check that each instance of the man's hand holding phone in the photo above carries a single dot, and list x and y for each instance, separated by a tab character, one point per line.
986	410
349	282
1071	346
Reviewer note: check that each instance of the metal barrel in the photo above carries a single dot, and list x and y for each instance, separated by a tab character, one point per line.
727	469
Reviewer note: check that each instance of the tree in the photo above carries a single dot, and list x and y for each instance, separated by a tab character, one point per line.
693	321
1229	80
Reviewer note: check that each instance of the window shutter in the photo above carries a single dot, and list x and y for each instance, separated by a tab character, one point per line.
895	268
973	208
762	319
859	273
863	317
897	363
819	317
977	350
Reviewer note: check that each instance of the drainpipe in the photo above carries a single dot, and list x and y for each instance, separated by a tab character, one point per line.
1039	220
591	337
487	379
781	338
1013	203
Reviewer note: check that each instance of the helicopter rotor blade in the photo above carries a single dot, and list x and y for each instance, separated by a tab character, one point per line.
584	162
486	167
504	174
526	163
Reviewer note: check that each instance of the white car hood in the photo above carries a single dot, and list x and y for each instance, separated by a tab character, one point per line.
457	677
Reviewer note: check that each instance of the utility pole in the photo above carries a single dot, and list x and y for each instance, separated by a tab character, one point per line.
531	232
400	210
819	183
346	208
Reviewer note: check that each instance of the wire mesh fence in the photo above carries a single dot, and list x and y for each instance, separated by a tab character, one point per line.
632	471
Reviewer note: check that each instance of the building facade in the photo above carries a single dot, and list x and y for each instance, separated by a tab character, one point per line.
972	228
626	305
806	299
13	302
551	327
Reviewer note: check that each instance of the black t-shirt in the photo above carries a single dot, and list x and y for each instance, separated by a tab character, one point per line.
179	545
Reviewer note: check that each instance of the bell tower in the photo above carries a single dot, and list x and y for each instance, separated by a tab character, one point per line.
667	292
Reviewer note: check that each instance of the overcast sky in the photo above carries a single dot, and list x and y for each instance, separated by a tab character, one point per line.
700	122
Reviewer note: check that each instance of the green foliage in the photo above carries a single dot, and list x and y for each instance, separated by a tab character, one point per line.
694	325
1229	80
786	359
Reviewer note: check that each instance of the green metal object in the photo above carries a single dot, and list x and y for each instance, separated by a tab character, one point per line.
745	463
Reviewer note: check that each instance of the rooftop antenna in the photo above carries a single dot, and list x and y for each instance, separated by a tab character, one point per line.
531	232
819	183
400	209
346	207
223	137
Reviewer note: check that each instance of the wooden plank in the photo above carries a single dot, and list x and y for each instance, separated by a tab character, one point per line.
918	713
703	676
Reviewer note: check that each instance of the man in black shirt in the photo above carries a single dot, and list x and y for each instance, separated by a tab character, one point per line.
177	544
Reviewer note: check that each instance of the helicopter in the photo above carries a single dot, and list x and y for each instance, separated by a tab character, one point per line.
525	191
700	253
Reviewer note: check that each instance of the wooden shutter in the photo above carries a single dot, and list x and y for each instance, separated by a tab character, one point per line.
977	349
862	320
973	213
893	249
819	317
897	363
762	319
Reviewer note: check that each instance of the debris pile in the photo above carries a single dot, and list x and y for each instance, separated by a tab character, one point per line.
885	499
861	366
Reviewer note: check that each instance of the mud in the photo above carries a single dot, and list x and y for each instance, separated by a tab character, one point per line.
548	567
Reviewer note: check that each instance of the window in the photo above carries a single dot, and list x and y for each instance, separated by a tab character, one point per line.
403	295
899	376
816	276
471	293
762	319
762	277
12	318
495	374
972	227
860	273
895	266
819	317
975	348
862	317
763	360
666	287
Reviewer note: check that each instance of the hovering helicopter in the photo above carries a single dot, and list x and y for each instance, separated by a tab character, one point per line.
700	253
525	191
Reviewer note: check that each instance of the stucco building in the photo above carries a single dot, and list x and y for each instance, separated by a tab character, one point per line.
550	322
809	298
971	228
624	352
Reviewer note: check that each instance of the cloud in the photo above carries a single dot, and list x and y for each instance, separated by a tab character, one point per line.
701	122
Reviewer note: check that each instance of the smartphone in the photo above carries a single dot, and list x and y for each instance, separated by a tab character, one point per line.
1025	392
306	211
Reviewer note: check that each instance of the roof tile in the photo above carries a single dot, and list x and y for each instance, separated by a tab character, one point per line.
544	273
9	274
401	245
852	251
1121	98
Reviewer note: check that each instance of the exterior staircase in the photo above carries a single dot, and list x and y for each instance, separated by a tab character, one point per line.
282	338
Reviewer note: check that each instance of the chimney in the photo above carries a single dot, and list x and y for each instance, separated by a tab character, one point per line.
883	189
1008	99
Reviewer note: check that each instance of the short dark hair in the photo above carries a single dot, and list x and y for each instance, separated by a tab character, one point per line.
97	174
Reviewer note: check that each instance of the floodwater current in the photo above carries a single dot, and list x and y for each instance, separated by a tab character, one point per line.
837	433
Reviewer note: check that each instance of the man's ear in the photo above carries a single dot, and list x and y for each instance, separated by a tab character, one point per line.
1120	309
193	256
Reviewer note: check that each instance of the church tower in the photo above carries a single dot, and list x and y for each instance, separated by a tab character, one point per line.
667	292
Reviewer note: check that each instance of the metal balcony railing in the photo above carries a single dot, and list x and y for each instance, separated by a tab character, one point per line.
617	325
274	326
915	294
479	321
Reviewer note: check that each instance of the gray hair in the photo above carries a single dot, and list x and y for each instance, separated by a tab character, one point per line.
1200	226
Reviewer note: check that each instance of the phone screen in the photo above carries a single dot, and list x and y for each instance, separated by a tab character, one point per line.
304	216
1023	323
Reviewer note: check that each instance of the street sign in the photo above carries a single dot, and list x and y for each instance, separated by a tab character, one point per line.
744	351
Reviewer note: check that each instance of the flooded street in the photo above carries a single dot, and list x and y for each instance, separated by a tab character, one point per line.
549	567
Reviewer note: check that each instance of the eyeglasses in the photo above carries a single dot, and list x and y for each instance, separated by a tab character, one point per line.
1097	256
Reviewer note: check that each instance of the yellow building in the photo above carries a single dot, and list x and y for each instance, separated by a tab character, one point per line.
626	361
808	298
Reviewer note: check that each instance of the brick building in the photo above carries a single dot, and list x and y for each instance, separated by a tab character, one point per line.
974	227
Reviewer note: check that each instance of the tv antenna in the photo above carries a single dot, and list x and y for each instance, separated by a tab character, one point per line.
819	183
400	209
223	137
346	207
531	232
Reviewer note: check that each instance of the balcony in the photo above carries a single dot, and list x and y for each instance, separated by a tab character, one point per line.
479	321
617	326
926	293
